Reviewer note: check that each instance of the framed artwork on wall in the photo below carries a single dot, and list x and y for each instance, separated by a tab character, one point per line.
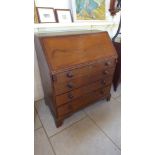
63	15
88	10
46	15
35	15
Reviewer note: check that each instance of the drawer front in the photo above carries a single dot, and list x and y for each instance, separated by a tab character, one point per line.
90	98
67	86
67	97
83	101
64	110
84	71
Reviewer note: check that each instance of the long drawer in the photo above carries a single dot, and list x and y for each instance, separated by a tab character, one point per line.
100	66
64	87
90	98
67	97
83	101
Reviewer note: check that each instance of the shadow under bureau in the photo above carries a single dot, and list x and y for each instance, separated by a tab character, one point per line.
76	70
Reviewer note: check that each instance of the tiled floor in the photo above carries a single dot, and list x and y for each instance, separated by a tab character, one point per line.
92	131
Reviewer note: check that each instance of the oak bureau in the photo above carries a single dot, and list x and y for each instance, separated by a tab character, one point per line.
76	70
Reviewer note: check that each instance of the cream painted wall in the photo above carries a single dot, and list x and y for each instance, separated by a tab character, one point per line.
64	4
38	91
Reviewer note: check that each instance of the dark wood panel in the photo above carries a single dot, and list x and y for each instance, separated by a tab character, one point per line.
64	110
72	68
102	67
90	98
117	75
83	101
45	76
81	80
66	51
72	95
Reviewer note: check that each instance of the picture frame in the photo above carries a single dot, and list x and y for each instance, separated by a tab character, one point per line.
36	20
63	15
46	15
88	10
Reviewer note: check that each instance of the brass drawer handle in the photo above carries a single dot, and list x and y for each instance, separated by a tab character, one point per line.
70	96
69	74
70	85
105	72
108	63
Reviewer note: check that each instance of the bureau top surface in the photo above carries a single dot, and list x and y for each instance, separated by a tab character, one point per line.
66	51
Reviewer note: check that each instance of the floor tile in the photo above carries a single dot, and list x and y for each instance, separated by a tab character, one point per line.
37	123
83	138
41	143
116	93
107	116
118	98
48	121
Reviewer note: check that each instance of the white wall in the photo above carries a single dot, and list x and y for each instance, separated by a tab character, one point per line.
57	4
38	91
66	4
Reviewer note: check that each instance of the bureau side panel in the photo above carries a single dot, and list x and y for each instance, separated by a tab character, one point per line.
45	75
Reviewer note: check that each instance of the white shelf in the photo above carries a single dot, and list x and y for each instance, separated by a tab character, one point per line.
56	28
79	24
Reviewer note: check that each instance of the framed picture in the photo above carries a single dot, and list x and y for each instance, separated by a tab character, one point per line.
88	10
63	15
35	15
46	15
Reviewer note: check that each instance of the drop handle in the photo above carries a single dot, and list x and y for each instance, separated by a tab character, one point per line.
70	85
105	72
69	74
70	96
108	63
